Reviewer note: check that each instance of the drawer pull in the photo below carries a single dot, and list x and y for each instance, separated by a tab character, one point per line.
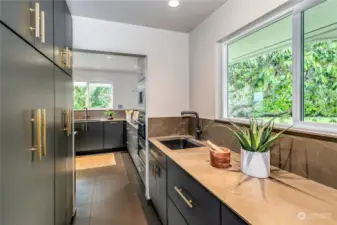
180	192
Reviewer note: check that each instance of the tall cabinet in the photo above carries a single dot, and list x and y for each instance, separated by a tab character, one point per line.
36	107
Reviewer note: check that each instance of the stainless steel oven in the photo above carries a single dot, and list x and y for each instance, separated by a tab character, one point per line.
142	135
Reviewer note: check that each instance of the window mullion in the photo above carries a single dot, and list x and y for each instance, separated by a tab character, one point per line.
224	81
297	45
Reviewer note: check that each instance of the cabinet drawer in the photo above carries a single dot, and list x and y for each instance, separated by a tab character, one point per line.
173	215
158	155
230	218
196	204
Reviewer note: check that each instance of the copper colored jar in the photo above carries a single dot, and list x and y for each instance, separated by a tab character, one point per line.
220	160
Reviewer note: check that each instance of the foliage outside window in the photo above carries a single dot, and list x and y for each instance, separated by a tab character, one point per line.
260	69
92	95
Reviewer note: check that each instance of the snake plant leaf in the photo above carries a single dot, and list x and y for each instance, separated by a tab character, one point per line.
258	137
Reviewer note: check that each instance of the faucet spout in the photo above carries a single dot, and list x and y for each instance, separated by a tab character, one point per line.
198	128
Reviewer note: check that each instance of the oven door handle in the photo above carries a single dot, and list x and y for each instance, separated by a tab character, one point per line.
141	145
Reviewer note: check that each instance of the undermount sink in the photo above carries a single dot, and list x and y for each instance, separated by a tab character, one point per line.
180	143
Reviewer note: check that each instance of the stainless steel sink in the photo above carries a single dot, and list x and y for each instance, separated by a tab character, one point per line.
180	143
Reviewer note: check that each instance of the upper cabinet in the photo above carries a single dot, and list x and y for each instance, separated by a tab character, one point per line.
63	36
45	40
32	20
21	17
69	39
45	24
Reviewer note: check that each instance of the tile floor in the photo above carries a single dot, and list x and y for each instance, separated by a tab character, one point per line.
111	194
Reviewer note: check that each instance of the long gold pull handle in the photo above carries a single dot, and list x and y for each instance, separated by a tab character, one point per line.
68	54
36	139
37	19
67	127
69	122
44	132
43	31
180	192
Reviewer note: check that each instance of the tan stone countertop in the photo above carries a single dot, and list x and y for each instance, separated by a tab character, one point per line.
99	120
282	199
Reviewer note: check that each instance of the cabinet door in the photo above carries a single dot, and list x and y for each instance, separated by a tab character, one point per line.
80	137
45	41
161	193
61	147
173	215
70	154
113	135
69	39
230	218
19	15
94	136
59	33
27	183
196	204
152	180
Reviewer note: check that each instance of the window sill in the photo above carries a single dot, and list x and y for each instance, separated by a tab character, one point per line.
303	129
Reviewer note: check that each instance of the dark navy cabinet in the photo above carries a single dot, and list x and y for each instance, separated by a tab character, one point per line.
114	134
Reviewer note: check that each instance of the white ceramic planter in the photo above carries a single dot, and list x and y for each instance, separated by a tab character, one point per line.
255	164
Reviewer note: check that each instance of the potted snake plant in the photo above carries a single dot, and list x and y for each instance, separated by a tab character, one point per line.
256	143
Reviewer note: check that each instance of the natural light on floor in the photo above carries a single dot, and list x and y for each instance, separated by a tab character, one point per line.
95	161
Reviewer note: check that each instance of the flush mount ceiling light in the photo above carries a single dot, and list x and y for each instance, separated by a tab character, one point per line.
173	3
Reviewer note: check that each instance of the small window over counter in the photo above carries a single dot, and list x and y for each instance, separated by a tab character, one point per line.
92	95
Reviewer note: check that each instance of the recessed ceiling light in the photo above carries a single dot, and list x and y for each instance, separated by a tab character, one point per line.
109	57
173	3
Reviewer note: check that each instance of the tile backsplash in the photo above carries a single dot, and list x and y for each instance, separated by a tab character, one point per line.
309	156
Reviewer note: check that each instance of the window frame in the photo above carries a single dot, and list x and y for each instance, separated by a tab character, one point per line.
299	125
87	95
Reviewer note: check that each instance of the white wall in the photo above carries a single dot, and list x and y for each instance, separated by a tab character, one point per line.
124	85
204	50
167	52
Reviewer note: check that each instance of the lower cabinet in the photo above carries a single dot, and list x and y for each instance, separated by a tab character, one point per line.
173	215
188	202
80	137
132	140
94	133
230	218
113	134
158	194
197	205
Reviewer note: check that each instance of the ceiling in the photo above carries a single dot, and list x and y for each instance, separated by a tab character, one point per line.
151	13
107	62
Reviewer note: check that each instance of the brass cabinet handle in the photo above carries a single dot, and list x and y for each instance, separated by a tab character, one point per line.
43	28
67	127
68	54
36	139
37	19
69	122
180	192
44	132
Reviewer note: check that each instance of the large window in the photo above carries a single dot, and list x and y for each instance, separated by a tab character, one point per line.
279	71
320	63
92	95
